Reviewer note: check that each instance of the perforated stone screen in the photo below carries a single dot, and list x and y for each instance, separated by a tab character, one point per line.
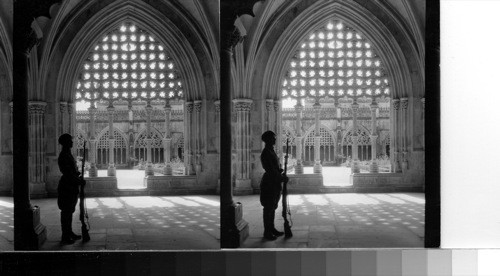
335	61
128	64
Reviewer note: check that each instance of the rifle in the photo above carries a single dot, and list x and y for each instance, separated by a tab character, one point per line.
286	209
83	211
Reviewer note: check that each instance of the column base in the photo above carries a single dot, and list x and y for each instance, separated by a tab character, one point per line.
235	230
149	169
37	190
355	166
167	170
93	171
33	234
373	167
189	170
405	165
111	170
243	187
317	167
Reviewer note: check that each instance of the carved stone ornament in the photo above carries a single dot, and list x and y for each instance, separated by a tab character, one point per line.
232	38
404	103
63	107
269	105
197	106
217	106
395	104
276	106
189	107
243	105
37	107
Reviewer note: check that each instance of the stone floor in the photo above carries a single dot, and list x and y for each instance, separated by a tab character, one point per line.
192	222
342	221
129	223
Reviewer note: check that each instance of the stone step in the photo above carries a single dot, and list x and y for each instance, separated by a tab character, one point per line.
132	192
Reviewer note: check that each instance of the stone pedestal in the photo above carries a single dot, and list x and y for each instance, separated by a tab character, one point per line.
237	231
243	187
32	234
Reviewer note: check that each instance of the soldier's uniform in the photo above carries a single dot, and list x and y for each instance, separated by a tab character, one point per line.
67	190
270	186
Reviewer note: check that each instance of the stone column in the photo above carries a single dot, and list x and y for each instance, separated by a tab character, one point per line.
71	119
197	136
63	106
269	118
277	129
167	140
404	133
11	122
36	148
188	154
217	139
423	122
111	139
355	159
299	168
373	138
317	139
93	142
149	166
243	162
395	136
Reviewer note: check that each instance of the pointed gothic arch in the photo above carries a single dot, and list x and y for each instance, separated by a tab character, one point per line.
140	145
120	149
328	144
364	143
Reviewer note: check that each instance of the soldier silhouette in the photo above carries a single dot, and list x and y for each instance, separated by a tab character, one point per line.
68	188
270	185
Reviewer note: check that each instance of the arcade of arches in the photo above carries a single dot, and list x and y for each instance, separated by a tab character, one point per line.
138	83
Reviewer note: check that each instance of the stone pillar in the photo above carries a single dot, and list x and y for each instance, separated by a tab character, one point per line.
373	138
217	139
404	133
269	118
395	137
299	168
423	122
149	166
11	121
111	139
63	106
243	151
355	159
167	140
36	148
71	119
188	154
93	142
234	229
29	233
197	136
317	139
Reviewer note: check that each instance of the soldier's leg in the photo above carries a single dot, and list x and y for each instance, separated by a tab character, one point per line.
66	220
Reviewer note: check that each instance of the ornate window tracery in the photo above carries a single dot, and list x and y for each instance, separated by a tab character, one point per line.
364	144
141	147
335	61
128	64
120	149
326	150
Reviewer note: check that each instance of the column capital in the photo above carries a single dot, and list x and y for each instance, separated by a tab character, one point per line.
243	104
63	106
317	106
404	103
276	105
423	102
355	106
269	104
395	104
197	105
70	108
217	106
373	106
35	107
189	107
167	107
